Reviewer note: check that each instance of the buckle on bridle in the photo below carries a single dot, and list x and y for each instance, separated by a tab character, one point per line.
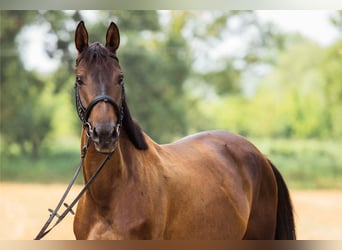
117	129
88	128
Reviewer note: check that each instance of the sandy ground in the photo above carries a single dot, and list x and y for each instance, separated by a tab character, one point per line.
23	211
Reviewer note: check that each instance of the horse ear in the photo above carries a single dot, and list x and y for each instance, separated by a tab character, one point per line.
81	37
112	38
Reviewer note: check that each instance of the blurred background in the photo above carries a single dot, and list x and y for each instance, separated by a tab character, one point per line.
274	77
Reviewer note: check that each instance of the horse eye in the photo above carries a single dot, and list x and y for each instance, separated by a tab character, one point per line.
79	80
121	78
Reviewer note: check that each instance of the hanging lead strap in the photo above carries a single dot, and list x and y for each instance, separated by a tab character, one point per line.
54	213
44	231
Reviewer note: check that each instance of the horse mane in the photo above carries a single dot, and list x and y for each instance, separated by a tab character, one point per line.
132	129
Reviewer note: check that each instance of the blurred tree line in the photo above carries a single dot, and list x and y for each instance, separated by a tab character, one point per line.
274	85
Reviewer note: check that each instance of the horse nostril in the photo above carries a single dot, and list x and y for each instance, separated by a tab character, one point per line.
95	134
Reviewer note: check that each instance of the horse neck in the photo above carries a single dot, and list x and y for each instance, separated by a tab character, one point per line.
120	169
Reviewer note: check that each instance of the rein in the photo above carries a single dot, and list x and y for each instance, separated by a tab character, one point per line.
54	213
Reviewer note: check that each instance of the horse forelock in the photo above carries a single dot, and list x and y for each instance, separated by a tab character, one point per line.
96	54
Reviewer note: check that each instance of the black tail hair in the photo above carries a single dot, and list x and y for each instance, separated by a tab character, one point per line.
285	229
132	129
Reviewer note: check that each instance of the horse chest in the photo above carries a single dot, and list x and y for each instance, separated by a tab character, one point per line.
102	230
118	227
123	219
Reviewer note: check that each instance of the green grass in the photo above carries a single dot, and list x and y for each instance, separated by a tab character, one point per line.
305	164
56	165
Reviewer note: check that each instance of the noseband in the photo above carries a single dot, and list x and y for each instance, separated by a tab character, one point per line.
84	113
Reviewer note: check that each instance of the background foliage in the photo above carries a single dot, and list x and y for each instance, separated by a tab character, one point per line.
281	90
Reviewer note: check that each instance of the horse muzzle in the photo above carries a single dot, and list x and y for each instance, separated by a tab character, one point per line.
104	135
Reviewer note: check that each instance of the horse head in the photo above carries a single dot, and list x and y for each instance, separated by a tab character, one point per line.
99	87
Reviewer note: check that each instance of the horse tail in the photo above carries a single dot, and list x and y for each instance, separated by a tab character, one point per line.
285	228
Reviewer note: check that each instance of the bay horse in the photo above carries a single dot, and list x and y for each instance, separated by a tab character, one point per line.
210	185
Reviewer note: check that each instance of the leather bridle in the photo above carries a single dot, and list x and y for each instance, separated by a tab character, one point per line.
84	113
